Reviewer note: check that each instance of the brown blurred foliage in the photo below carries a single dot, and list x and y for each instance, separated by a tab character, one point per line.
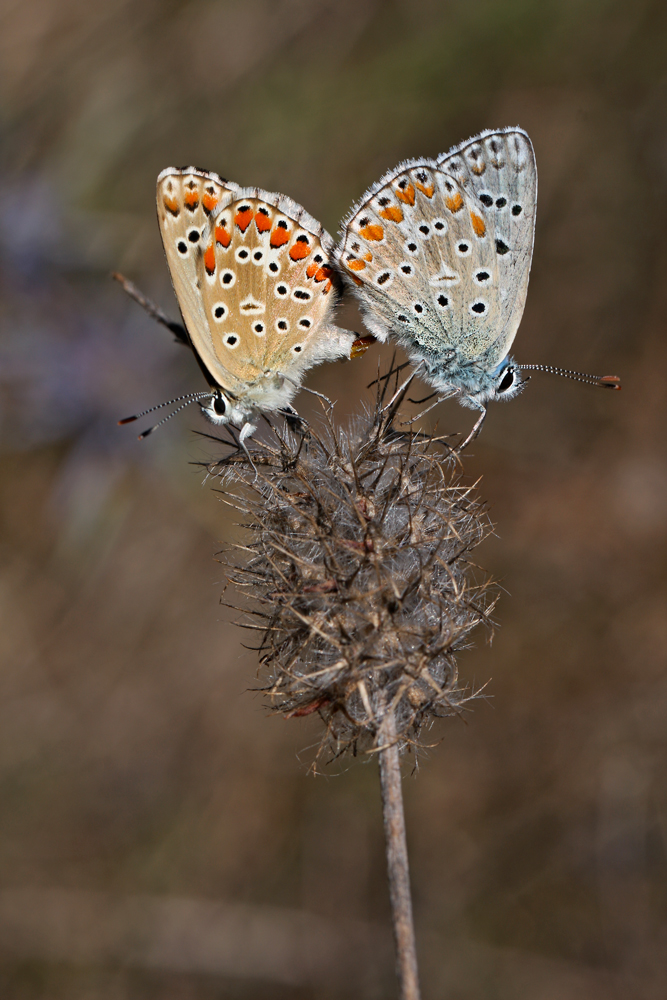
159	836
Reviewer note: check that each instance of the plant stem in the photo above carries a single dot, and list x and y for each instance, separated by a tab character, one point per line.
397	863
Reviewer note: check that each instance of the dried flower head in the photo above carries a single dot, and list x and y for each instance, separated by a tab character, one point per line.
357	572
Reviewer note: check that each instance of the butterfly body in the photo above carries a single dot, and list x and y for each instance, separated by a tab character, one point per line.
438	252
252	276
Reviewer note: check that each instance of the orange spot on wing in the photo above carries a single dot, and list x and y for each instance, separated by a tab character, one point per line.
454	203
368	257
355	265
372	232
327	289
209	259
360	346
171	204
312	269
191	199
299	251
479	169
406	194
279	237
209	201
324	273
357	281
243	219
393	213
425	189
222	236
263	222
478	224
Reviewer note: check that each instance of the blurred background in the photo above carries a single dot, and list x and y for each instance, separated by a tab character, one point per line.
160	835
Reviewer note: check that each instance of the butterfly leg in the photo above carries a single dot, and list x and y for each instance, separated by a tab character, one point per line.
474	432
295	423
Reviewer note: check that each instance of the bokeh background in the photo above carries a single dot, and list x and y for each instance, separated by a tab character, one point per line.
160	835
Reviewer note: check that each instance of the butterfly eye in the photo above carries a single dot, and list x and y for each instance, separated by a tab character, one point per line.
219	405
507	381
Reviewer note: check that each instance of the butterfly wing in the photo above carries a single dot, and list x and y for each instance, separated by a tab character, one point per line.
437	266
266	291
499	168
185	199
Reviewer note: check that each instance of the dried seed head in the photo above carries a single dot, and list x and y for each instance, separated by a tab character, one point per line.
357	573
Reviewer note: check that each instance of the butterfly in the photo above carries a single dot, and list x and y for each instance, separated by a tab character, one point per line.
439	255
252	275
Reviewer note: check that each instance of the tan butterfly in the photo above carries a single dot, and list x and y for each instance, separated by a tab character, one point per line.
252	275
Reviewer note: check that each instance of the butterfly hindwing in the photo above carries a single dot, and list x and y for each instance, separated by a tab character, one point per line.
266	287
435	260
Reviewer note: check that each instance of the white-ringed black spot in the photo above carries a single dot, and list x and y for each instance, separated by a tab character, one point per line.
439	225
242	254
305	323
258	328
482	277
425	230
418	307
501	202
297	348
402	318
282	326
443	301
182	247
219	311
383	278
258	256
516	210
282	290
318	258
193	235
364	222
383	202
479	308
273	267
463	248
486	200
228	278
231	340
406	269
301	293
403	183
501	247
412	248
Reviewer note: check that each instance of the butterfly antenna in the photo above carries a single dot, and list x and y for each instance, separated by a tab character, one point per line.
190	397
153	311
604	381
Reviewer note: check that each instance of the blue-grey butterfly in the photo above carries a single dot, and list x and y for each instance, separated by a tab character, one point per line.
439	254
252	275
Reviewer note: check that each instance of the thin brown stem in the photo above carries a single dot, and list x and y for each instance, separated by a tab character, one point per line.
397	862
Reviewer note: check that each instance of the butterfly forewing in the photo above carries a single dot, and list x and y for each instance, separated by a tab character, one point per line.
185	199
499	168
